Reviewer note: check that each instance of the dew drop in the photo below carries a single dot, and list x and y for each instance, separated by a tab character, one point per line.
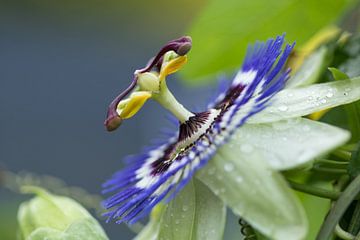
347	89
329	94
283	108
228	167
185	208
239	179
323	101
345	93
310	98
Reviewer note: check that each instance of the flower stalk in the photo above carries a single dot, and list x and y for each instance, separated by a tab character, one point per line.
339	209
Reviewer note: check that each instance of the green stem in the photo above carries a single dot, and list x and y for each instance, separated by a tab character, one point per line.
343	234
343	155
331	163
338	209
317	168
169	102
319	192
354	225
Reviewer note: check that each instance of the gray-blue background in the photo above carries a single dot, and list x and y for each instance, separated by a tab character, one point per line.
61	63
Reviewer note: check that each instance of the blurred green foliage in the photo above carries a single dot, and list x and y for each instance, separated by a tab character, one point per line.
8	225
224	29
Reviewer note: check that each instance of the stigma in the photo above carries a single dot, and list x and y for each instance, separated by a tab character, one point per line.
150	83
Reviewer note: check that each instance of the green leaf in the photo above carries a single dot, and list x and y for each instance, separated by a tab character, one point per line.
337	74
196	214
255	192
289	143
224	29
82	229
297	102
352	110
354	166
152	229
49	216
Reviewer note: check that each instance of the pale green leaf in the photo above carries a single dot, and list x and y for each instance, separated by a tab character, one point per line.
223	30
289	143
310	70
316	209
152	229
352	110
49	216
87	228
195	214
337	74
46	233
255	192
297	102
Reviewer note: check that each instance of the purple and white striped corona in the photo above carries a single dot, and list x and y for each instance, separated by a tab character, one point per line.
162	172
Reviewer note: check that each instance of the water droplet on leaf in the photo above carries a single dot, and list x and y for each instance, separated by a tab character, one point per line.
228	167
283	108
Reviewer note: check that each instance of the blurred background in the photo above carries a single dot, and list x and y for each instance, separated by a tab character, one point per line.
62	62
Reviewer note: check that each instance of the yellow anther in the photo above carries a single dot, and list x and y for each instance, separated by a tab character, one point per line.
133	104
172	66
317	115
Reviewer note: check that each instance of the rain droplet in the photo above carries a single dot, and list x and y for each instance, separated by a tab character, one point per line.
228	167
239	179
185	208
310	98
290	95
347	89
323	101
329	94
345	93
283	108
177	221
